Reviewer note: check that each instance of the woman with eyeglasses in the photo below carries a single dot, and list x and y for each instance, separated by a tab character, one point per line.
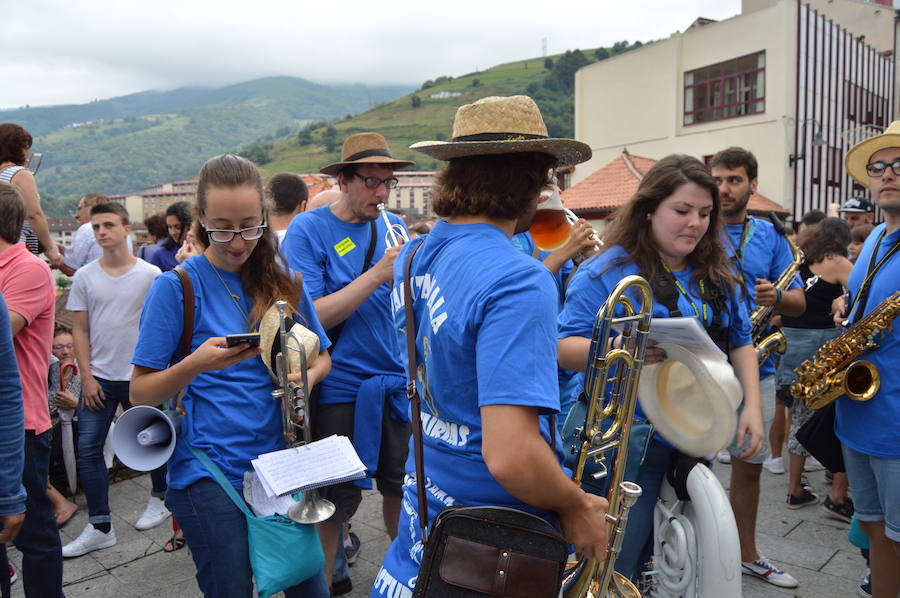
229	411
14	145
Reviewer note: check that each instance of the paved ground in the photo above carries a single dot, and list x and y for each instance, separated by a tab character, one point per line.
807	544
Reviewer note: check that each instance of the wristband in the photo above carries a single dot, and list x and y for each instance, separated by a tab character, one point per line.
778	297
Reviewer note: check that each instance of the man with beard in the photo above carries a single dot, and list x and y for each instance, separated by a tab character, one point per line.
759	255
869	430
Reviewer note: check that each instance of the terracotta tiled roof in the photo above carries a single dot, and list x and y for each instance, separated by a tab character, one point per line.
316	183
612	185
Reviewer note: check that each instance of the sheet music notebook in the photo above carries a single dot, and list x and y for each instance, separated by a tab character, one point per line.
321	463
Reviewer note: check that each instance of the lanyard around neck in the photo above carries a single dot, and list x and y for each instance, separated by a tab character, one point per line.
684	294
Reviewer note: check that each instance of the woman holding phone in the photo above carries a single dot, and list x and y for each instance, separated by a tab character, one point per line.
229	411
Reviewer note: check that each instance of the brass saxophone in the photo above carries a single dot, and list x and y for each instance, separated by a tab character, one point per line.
834	370
762	315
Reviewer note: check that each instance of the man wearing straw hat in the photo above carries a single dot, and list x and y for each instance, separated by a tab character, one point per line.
870	430
341	250
485	317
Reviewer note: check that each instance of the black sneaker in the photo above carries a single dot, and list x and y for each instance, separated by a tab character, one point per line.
352	551
796	502
841	512
339	588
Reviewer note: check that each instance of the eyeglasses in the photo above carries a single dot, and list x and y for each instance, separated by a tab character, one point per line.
68	346
877	168
224	235
372	182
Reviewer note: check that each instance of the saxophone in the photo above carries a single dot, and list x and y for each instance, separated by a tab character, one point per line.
834	370
762	315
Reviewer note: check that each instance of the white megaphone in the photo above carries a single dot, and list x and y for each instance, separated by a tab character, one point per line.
144	437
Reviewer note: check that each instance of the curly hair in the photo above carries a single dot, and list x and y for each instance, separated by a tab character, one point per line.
829	237
156	225
14	142
262	275
497	186
631	227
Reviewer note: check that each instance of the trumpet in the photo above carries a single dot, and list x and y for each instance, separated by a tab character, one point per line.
295	414
552	223
395	234
607	426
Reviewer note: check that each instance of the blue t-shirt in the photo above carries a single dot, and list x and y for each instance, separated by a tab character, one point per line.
330	253
764	254
485	328
164	257
525	243
598	276
230	413
871	427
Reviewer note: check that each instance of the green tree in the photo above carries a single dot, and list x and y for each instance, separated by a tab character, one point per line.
548	63
415	101
329	139
620	47
601	53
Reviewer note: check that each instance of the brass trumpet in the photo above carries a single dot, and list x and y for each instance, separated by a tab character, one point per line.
607	426
295	414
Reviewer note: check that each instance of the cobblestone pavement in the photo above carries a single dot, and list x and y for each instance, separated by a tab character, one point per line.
804	542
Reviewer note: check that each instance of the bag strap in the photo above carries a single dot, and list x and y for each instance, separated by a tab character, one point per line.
335	333
222	480
188	291
413	394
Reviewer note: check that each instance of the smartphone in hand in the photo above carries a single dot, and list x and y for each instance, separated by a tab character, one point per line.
236	339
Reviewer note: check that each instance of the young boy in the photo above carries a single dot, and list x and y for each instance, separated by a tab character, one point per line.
107	297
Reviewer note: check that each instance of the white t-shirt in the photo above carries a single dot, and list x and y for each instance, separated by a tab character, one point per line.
114	307
84	247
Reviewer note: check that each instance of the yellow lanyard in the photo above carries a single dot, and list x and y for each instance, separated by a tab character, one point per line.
684	293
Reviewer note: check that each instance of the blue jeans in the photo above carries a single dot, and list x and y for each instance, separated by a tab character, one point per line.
38	539
637	545
93	426
341	569
216	532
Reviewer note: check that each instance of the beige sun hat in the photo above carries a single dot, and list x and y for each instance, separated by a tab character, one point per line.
365	148
859	154
270	342
503	125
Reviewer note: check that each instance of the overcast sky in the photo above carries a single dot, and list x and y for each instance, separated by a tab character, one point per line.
58	51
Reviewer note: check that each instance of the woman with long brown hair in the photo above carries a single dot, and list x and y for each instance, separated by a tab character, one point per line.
669	232
229	412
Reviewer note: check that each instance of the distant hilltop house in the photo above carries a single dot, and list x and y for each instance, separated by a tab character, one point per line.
797	83
443	95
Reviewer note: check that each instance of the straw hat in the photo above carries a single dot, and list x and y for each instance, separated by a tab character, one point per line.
365	148
503	125
859	154
270	342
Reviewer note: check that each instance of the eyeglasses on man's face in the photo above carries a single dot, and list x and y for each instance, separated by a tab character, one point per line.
66	347
225	235
372	182
878	168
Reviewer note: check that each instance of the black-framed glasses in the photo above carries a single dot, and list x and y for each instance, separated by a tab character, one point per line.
877	168
372	182
225	235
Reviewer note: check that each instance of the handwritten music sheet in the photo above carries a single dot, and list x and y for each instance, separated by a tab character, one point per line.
325	462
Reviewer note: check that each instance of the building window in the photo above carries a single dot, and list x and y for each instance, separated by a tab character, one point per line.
728	89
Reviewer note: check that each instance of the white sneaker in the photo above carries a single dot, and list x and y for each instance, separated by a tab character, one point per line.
812	464
155	513
765	570
89	540
724	457
774	465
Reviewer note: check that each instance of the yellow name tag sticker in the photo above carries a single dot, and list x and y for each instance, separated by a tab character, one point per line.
345	247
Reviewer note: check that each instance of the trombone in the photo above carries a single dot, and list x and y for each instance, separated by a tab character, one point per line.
295	414
588	578
395	234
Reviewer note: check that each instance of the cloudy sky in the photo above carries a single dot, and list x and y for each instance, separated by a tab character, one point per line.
58	51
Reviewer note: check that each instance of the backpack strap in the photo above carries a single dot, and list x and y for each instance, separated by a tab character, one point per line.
188	329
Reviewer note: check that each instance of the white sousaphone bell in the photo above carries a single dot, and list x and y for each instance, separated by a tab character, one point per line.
144	437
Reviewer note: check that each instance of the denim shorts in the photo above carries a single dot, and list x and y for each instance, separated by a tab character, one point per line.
876	489
767	399
802	344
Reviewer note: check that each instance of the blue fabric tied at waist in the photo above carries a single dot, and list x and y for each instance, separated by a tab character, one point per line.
371	398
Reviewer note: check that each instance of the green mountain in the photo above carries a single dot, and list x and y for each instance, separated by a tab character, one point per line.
126	143
428	112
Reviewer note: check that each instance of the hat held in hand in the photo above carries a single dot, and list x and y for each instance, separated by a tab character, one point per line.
300	338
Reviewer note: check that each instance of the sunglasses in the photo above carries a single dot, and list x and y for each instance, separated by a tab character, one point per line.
878	168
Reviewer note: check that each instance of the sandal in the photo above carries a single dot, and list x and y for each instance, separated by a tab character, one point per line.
174	543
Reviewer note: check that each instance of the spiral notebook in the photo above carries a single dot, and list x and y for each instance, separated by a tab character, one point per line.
321	463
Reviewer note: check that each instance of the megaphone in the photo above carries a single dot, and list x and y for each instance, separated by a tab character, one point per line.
144	437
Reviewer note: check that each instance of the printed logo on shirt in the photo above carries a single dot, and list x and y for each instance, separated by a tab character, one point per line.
345	247
424	287
387	585
451	433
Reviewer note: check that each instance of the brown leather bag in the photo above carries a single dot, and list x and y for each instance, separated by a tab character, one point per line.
474	552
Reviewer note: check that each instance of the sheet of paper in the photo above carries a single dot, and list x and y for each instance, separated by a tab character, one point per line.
687	332
261	501
322	463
